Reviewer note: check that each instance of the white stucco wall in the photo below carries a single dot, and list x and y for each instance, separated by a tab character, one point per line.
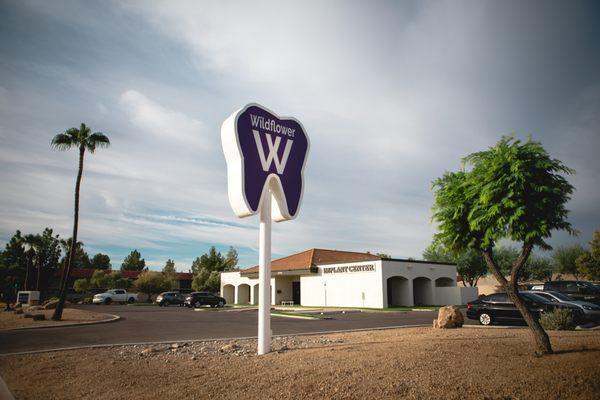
352	285
343	289
418	275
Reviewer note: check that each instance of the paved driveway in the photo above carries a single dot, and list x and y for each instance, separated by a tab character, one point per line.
149	324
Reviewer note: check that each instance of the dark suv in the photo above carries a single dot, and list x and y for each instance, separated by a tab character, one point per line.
578	290
198	299
498	307
167	298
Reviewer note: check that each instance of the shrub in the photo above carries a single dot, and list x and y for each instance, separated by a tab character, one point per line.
560	319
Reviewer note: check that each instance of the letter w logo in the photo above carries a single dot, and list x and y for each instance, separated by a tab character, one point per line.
273	155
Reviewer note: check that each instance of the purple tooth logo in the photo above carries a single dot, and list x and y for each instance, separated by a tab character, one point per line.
264	151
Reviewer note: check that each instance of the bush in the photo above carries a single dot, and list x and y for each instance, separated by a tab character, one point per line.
560	319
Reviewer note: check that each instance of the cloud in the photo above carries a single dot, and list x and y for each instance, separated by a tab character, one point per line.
391	94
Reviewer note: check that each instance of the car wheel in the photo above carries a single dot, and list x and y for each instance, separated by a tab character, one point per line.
197	304
167	304
108	301
131	300
221	304
485	319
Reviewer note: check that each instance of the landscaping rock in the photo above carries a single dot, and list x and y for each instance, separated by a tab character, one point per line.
51	305
449	317
34	308
39	317
229	348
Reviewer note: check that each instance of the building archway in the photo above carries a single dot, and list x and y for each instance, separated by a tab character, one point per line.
398	291
243	294
255	294
444	282
229	294
422	292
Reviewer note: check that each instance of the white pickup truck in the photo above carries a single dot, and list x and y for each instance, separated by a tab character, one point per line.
115	296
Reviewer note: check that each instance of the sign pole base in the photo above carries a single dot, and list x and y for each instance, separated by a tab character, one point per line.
264	277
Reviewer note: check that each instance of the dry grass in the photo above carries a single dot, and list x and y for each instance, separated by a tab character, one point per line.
10	320
417	363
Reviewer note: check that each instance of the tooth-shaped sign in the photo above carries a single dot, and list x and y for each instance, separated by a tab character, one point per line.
264	151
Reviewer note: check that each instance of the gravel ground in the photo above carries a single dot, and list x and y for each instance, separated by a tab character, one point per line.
10	320
416	363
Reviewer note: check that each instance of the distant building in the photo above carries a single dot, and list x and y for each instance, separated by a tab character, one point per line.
331	278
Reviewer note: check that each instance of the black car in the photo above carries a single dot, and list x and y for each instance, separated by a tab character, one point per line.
498	307
198	299
170	298
578	290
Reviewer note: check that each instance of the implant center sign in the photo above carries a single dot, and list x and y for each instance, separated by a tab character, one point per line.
265	153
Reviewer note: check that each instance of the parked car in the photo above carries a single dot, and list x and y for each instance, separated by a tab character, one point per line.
115	296
591	311
578	290
170	298
498	307
198	299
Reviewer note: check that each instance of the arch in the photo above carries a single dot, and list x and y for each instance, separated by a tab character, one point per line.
398	291
255	294
229	294
243	294
422	291
444	282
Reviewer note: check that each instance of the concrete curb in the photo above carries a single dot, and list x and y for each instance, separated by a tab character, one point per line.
5	394
101	346
113	318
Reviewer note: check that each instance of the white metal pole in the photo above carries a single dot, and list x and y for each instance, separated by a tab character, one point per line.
264	277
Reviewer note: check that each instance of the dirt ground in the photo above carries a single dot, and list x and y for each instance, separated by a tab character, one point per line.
10	320
416	363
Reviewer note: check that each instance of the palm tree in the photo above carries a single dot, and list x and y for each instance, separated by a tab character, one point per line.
83	140
29	243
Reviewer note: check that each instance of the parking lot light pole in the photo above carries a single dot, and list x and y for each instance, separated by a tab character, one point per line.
264	277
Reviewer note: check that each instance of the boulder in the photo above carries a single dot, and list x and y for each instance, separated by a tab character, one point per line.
449	317
228	348
51	305
34	308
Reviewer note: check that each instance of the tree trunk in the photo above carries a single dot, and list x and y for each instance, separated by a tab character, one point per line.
57	316
26	283
511	287
39	272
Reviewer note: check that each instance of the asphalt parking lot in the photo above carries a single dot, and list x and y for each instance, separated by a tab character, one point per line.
153	324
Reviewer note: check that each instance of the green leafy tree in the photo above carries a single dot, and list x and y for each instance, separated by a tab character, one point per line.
565	258
231	259
212	261
207	281
101	280
49	251
80	257
82	139
13	265
133	262
588	264
538	269
100	261
151	282
82	285
170	273
470	265
513	191
436	252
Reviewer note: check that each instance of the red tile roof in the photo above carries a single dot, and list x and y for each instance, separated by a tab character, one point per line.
311	258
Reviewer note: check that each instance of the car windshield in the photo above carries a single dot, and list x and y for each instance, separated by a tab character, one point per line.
533	297
561	296
591	287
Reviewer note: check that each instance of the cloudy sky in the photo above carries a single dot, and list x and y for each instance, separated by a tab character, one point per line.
392	94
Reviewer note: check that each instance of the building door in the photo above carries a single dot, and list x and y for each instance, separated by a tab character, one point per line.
296	292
